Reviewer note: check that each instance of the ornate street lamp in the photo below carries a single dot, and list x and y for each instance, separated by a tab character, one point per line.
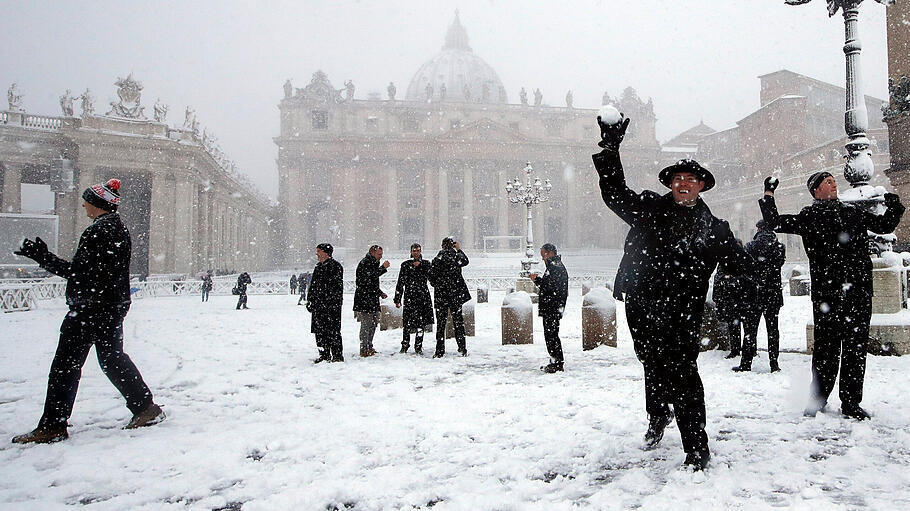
529	194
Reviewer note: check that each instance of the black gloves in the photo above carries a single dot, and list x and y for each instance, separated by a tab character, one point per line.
35	250
771	184
892	199
611	135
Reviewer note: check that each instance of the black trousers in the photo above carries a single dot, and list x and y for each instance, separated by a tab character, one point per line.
241	302
327	329
734	331
442	313
406	339
551	336
750	324
841	334
665	336
78	333
205	295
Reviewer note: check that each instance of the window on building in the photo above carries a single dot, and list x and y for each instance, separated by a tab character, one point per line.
371	123
320	120
554	128
514	126
410	124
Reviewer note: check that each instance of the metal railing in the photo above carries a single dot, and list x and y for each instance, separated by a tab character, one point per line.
16	297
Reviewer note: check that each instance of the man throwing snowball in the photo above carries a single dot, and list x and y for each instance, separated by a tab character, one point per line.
836	238
98	296
672	248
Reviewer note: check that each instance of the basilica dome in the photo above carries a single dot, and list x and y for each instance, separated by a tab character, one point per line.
457	74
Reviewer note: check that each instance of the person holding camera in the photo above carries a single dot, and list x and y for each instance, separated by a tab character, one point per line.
836	237
451	292
554	291
367	295
98	297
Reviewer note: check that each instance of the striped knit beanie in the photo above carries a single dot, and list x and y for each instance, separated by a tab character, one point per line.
106	196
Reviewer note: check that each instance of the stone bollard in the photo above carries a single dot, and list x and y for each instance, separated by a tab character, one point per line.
800	285
467	311
598	319
483	294
713	333
517	319
389	316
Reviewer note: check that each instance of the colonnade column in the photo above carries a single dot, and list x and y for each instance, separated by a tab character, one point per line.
468	207
12	185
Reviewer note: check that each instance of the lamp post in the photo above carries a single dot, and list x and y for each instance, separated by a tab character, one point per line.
858	165
529	194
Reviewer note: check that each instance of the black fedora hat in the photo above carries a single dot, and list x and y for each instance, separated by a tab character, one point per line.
687	165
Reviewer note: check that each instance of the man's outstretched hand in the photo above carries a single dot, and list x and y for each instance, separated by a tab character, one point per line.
35	250
611	135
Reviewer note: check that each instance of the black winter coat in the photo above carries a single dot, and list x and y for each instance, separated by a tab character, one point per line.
836	240
242	281
207	283
769	255
326	294
446	279
734	295
412	286
553	288
671	250
367	293
98	278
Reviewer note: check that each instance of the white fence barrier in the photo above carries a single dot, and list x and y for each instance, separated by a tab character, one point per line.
16	297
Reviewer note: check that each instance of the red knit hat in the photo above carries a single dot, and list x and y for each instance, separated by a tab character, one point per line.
106	196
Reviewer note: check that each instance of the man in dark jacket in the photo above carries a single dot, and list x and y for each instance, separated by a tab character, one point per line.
98	296
324	301
303	281
293	283
418	305
366	297
672	248
769	255
836	238
207	285
553	292
451	292
243	280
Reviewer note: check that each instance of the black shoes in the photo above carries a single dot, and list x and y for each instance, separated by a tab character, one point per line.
733	354
744	365
656	427
854	412
404	349
418	351
439	354
41	435
463	352
774	366
552	367
153	414
698	460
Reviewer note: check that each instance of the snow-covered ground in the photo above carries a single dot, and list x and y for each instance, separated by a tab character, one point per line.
253	424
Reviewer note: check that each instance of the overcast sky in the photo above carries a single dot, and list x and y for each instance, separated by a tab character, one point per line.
697	59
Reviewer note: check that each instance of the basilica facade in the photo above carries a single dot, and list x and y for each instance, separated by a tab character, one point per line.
394	171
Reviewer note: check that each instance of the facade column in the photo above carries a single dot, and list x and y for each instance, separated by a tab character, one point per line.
12	188
296	210
468	207
503	209
390	229
183	226
430	213
160	222
444	229
571	227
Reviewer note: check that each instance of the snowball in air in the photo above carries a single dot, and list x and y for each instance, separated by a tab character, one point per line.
609	114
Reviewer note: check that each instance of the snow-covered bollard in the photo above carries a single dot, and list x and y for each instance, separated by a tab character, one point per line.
517	319
888	283
800	285
483	294
467	311
598	319
586	287
390	317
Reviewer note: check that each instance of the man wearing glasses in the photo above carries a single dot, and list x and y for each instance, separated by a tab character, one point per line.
672	248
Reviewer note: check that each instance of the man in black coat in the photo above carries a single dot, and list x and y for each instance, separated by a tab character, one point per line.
243	280
451	292
366	297
553	288
672	248
98	296
836	238
769	255
293	283
324	300
734	295
418	305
